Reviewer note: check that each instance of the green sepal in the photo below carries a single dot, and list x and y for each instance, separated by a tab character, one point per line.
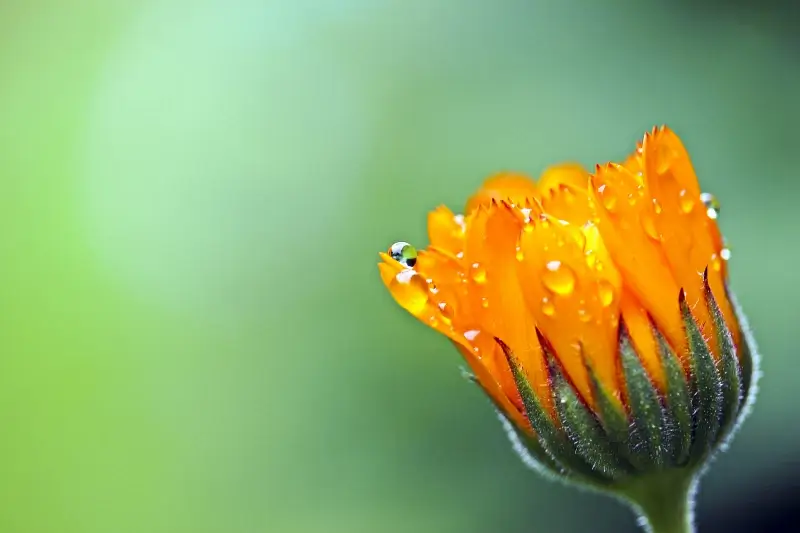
612	417
579	422
705	386
729	370
678	408
554	441
648	430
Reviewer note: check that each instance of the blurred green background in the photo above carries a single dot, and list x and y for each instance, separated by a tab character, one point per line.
193	334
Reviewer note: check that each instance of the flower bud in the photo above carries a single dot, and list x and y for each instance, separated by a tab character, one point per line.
594	311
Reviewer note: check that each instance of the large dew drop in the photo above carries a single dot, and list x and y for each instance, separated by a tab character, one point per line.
558	278
411	291
606	292
404	253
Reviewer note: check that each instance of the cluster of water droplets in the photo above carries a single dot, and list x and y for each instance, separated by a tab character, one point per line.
687	202
559	279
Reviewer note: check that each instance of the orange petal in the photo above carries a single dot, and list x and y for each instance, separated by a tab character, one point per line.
574	304
564	193
571	175
620	203
507	315
511	186
689	238
412	291
446	230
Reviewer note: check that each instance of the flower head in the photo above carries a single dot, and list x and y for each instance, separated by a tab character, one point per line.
592	308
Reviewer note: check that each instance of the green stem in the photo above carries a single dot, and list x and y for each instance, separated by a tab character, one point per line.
663	502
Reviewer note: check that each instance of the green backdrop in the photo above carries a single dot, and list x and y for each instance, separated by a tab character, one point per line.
193	334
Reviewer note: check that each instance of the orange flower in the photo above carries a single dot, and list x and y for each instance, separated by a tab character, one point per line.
594	310
571	256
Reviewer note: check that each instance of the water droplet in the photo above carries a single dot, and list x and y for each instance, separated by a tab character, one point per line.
547	307
649	225
609	200
411	291
404	253
631	199
711	204
583	315
485	303
478	273
471	334
656	207
460	255
558	278
447	312
520	256
725	254
606	291
716	264
686	201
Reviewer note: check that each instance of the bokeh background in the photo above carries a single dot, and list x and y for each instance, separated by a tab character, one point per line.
193	335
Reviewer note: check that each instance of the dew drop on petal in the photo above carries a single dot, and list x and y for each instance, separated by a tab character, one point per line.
411	291
404	253
519	255
656	207
485	303
686	201
609	200
649	225
478	273
583	315
558	278
716	263
471	335
547	307
711	204
606	291
725	254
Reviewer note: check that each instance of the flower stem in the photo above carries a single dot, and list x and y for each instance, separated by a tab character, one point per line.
664	502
